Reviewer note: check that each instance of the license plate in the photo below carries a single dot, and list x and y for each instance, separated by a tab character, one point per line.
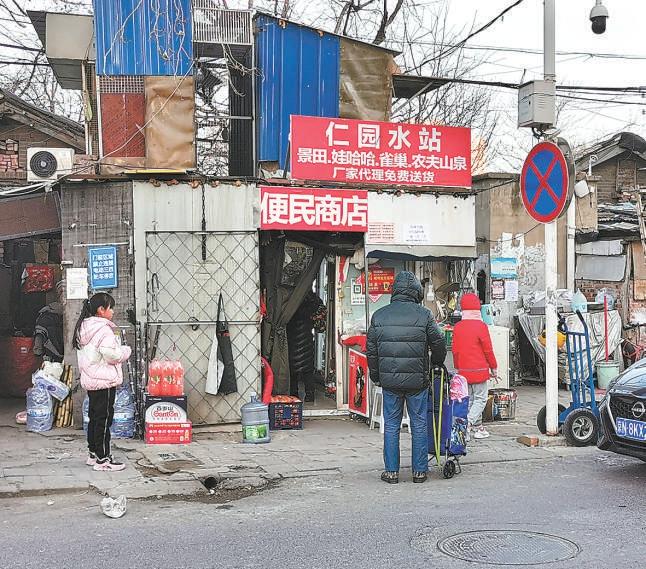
630	429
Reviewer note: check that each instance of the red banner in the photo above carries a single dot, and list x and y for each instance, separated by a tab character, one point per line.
358	382
313	209
352	151
380	280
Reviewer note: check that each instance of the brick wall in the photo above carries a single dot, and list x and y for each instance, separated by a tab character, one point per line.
591	288
26	137
607	185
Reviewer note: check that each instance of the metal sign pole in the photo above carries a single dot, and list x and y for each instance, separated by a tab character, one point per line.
551	248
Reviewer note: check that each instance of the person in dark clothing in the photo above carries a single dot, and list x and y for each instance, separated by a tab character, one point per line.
48	334
399	339
311	314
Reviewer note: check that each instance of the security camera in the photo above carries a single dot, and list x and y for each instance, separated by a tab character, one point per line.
598	17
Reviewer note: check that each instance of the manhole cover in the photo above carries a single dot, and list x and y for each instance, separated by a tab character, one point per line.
508	547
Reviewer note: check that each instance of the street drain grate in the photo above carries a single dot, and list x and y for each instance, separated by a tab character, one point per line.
503	547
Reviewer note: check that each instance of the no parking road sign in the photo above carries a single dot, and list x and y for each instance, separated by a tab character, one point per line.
544	182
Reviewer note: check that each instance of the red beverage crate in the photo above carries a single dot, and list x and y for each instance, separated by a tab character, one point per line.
285	412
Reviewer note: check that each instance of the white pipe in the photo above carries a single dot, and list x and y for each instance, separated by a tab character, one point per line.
571	243
551	249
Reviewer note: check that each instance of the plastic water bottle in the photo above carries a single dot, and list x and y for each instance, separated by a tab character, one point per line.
178	373
123	424
154	377
40	410
255	421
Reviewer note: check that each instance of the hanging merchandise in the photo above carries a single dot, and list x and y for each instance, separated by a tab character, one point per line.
38	278
221	376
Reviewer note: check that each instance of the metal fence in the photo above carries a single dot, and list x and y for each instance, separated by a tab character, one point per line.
212	24
187	271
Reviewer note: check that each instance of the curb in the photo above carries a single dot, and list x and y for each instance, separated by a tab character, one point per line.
542	441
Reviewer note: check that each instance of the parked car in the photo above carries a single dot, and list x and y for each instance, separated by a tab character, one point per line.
623	413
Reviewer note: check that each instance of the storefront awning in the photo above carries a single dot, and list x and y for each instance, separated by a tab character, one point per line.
29	216
420	252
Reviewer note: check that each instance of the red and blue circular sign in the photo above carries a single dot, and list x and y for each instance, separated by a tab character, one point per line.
544	182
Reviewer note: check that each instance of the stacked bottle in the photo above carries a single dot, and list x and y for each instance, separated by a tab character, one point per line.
165	378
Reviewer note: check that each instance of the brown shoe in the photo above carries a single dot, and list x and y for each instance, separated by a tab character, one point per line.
390	477
419	477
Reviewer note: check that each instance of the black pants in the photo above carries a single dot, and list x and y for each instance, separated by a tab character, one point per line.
101	413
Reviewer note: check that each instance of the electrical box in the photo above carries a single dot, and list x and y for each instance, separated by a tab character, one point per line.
536	104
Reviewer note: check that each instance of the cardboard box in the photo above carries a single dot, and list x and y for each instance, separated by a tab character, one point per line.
169	433
166	409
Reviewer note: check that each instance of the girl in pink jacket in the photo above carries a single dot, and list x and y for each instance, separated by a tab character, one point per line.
100	355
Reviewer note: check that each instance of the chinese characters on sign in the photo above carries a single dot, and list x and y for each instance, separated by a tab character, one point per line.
345	150
313	209
102	263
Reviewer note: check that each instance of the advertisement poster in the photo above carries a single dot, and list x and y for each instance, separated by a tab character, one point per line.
76	280
497	290
370	152
504	268
358	383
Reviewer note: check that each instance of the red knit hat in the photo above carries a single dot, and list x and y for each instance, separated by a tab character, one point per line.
470	302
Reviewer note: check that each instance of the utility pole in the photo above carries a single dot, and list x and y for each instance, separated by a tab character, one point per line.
551	245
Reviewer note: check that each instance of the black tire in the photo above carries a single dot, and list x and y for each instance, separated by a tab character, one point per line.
449	469
541	418
581	428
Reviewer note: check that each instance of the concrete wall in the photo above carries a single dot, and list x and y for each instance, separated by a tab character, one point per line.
504	229
95	213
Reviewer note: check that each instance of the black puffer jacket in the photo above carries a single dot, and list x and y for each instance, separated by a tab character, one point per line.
399	339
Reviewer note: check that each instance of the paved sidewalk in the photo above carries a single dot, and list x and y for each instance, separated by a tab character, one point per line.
53	462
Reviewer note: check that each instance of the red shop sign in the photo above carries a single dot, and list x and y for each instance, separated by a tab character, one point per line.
353	151
380	280
313	209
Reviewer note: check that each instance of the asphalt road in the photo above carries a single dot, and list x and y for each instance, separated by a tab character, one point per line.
594	499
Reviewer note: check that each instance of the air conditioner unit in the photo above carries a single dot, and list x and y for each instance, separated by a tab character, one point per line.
45	164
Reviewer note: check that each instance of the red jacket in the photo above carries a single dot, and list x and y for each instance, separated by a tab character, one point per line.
473	355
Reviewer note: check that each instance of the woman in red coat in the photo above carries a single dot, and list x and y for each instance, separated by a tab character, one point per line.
474	359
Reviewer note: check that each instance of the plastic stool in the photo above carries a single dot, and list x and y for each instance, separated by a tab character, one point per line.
377	411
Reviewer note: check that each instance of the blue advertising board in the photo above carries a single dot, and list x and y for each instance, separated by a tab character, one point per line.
103	268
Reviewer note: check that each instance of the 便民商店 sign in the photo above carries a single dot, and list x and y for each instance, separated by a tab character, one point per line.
313	209
369	152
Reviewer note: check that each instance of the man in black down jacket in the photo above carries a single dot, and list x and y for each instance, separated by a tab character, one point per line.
399	339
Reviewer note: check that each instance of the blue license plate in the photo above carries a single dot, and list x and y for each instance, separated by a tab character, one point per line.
630	429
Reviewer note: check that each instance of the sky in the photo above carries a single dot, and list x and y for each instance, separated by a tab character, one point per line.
581	122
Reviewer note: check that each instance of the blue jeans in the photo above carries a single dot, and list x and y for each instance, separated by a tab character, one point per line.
418	412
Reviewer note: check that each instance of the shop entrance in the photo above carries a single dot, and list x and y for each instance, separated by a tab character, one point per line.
302	318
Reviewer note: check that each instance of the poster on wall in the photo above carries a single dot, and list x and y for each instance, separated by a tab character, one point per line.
511	290
102	264
504	268
358	383
497	289
356	293
76	280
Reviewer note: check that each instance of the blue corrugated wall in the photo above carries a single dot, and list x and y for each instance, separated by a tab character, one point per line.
298	74
143	37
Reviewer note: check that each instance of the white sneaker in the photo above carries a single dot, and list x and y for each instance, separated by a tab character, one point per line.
480	433
108	464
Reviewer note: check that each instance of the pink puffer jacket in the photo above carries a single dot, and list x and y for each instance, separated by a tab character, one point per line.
101	354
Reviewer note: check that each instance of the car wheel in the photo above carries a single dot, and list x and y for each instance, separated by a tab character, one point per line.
541	418
581	428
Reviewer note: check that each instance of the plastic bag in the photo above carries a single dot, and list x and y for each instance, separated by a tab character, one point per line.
40	410
56	388
114	508
459	388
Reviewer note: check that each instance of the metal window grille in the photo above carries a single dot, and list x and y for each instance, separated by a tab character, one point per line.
121	84
216	25
186	273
